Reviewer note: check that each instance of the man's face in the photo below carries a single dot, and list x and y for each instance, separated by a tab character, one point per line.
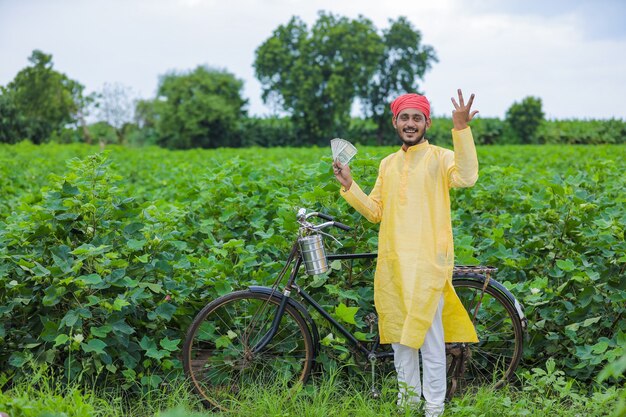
411	126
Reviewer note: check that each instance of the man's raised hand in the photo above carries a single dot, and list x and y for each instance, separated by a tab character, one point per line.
462	113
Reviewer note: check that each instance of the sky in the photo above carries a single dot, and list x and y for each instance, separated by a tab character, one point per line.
569	53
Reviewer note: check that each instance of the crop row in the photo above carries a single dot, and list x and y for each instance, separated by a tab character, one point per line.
105	258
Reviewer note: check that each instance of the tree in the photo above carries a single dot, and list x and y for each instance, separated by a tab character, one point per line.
13	126
116	106
47	99
402	63
146	122
202	108
316	75
525	118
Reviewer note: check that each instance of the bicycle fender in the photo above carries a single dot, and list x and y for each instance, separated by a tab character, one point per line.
501	288
303	312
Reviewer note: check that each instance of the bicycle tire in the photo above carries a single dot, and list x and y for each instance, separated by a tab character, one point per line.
493	360
217	354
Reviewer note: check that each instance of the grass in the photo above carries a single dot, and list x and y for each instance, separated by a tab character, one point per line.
541	392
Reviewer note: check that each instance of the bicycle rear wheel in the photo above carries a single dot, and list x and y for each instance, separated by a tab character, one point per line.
219	355
493	360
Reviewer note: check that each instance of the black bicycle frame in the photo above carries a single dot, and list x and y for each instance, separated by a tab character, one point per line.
291	285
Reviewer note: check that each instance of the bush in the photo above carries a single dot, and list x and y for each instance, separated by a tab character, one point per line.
583	132
90	280
269	132
524	118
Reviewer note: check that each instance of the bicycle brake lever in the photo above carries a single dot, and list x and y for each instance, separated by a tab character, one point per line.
331	236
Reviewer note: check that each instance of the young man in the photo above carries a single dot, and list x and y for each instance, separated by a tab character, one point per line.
415	301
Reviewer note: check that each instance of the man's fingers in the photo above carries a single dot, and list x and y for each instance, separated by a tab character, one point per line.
454	103
474	113
470	102
461	101
337	167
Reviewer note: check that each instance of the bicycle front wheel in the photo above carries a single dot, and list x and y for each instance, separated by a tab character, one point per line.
222	355
493	360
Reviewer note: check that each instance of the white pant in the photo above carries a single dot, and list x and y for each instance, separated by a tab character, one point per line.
406	361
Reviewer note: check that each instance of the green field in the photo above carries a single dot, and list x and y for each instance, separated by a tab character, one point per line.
104	259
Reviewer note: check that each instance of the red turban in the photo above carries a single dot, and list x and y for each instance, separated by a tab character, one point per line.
411	101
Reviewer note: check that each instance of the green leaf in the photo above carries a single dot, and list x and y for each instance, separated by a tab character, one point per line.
153	381
566	265
87	250
121	327
345	313
603	223
364	337
171	345
165	311
155	288
129	374
143	258
91	279
318	281
131	229
62	258
61	340
591	321
152	351
53	295
101	331
328	340
234	244
50	331
600	347
70	318
95	346
222	342
136	244
119	303
69	189
334	289
17	359
66	216
128	282
147	343
573	327
223	287
40	271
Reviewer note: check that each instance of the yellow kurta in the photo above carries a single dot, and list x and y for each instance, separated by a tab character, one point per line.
411	200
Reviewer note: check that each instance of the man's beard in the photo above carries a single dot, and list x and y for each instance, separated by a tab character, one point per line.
411	142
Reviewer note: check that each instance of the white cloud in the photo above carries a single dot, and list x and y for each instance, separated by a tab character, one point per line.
502	51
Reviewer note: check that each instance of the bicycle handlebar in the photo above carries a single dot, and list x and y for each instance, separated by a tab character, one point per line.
330	220
342	226
325	216
336	224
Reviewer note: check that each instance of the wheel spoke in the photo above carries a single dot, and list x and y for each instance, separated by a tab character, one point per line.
496	355
219	355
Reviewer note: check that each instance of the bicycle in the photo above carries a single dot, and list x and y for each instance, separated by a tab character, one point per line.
261	334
